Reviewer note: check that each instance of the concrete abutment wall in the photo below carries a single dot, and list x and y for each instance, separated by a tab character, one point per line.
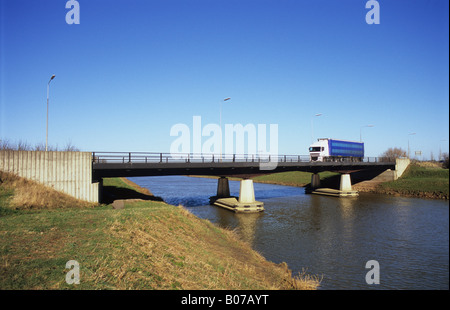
67	172
400	166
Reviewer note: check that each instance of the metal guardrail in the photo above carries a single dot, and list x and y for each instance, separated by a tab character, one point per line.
143	157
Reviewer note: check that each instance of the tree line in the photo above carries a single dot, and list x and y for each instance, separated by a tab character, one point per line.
7	145
400	153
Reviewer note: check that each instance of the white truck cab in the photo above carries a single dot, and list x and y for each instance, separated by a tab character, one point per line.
319	150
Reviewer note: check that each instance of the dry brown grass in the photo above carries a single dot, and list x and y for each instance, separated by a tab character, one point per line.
31	195
179	251
146	245
136	187
428	164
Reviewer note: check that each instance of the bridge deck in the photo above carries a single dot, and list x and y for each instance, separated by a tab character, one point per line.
156	164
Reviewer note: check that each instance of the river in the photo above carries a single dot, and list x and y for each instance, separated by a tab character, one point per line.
331	237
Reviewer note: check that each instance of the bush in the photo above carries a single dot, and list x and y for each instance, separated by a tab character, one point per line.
393	153
445	162
6	145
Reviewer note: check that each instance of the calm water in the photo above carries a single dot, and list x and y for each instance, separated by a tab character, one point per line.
329	236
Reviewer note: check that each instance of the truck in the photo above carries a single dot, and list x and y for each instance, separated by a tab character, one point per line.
336	150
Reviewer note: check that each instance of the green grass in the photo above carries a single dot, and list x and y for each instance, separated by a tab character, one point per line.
5	196
421	182
35	245
427	182
122	188
117	182
291	178
146	245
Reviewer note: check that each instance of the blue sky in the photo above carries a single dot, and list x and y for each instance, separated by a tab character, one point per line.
132	69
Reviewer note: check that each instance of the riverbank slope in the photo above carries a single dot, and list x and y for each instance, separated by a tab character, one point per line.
146	245
419	180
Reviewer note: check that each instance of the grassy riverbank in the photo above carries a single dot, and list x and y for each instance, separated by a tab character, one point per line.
419	181
147	245
292	178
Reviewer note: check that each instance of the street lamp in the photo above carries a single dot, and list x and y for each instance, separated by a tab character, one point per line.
46	134
411	134
360	130
220	119
312	127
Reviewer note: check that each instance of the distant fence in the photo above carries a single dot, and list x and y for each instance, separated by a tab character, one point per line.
143	157
68	172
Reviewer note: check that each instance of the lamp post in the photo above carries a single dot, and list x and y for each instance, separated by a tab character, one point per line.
312	127
411	134
46	133
360	130
221	132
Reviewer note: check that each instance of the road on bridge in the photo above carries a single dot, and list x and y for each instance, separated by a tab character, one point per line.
129	164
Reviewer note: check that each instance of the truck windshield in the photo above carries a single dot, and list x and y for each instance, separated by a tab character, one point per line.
314	149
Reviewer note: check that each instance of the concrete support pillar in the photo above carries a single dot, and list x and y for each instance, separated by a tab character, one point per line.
223	188
315	180
246	191
100	189
346	184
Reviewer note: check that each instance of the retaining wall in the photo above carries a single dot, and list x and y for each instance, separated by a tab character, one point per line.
400	166
68	172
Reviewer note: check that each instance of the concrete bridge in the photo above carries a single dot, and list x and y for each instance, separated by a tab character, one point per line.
243	166
80	174
116	164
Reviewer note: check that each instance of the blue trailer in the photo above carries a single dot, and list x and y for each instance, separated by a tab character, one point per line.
336	150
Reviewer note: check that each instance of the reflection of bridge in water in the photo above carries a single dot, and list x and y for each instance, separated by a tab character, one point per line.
132	164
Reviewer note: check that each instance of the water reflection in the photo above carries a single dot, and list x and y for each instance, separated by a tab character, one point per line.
347	206
247	226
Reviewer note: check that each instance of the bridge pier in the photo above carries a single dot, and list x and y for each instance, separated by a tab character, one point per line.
223	188
346	183
345	187
246	191
315	180
246	202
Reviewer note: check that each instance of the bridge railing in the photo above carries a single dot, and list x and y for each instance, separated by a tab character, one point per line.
145	157
141	157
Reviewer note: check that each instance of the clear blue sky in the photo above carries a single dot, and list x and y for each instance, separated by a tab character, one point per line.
132	69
